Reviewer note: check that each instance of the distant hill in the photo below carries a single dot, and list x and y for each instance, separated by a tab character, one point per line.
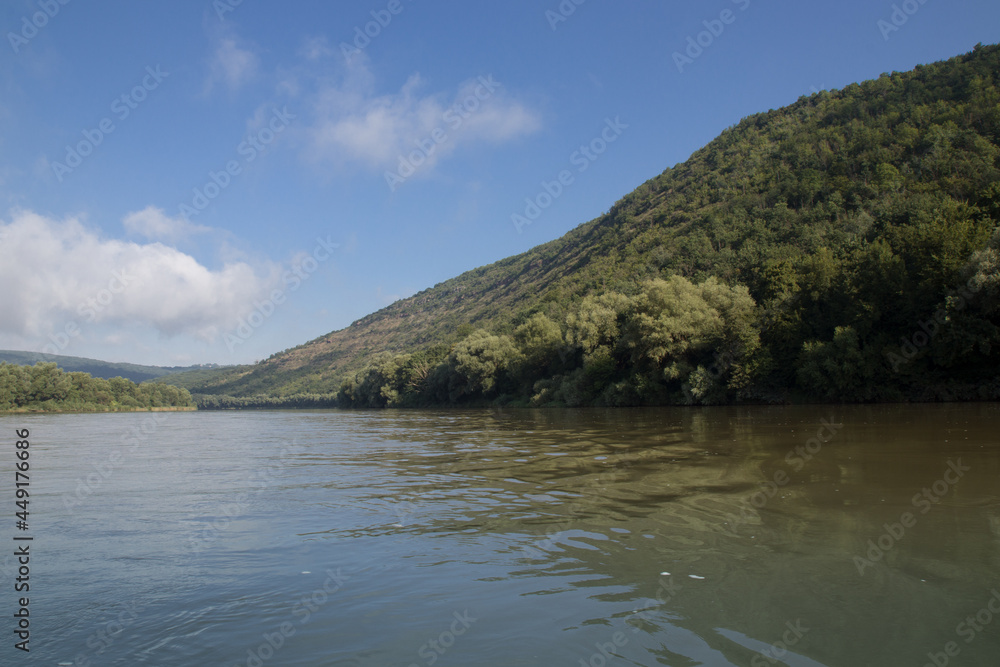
860	223
96	368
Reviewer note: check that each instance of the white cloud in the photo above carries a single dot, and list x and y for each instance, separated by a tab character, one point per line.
154	224
315	48
231	65
54	272
353	124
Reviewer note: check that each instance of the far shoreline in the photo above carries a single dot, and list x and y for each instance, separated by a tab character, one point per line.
46	411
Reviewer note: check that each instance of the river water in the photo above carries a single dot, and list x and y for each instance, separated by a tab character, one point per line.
839	536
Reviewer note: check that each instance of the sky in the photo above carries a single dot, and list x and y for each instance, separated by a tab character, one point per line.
214	181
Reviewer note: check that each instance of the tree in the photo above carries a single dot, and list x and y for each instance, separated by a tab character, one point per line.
597	321
48	383
480	364
15	386
839	369
540	341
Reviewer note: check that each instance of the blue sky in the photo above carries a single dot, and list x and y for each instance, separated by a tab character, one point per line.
199	181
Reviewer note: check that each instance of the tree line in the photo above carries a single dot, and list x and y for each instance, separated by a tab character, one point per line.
829	329
46	387
264	402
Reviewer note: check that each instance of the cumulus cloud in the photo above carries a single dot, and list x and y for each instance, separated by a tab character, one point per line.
352	123
154	224
231	65
54	271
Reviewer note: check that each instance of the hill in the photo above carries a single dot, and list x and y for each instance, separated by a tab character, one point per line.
841	248
98	369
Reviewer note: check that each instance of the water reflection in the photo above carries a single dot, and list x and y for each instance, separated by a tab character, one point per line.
757	528
716	536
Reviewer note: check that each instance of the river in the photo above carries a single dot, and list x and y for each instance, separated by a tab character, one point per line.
835	536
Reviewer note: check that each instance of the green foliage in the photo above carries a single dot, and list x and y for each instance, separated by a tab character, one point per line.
841	248
46	387
597	321
298	402
613	350
481	364
541	343
838	370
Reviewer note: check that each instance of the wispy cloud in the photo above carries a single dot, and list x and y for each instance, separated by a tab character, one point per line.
354	124
315	48
231	65
154	224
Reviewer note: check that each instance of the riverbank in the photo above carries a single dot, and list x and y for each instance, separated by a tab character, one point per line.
78	409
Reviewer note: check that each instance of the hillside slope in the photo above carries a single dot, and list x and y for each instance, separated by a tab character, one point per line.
96	368
851	217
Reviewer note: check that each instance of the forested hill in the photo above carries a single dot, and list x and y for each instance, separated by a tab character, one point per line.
94	367
841	248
